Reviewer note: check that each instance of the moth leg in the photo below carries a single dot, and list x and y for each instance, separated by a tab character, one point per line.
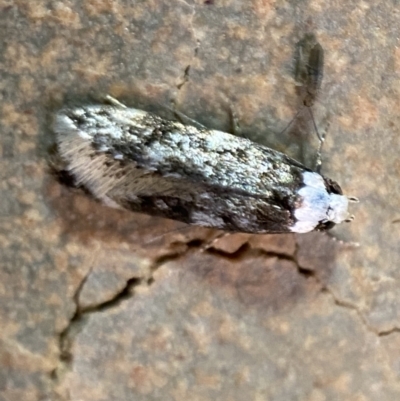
234	122
184	119
315	125
292	120
114	102
318	156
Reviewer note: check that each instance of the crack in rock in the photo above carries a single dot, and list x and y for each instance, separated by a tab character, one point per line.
388	332
336	299
350	306
185	77
78	320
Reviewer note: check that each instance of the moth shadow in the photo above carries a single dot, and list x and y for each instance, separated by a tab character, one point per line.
81	216
255	272
264	280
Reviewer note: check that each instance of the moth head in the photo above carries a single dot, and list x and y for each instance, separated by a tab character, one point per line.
321	204
338	206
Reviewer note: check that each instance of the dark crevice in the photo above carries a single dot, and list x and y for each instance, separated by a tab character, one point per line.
195	243
196	49
123	295
65	338
185	77
64	335
244	251
77	321
314	274
162	260
342	303
350	306
385	333
339	302
80	316
307	272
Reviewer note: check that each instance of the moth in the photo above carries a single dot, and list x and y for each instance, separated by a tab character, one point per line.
135	160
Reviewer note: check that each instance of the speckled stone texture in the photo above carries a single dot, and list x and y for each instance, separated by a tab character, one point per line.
98	304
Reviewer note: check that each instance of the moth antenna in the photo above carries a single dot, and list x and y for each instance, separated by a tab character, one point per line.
318	160
321	139
182	117
291	121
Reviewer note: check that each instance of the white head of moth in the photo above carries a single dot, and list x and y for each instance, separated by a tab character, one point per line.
138	161
321	204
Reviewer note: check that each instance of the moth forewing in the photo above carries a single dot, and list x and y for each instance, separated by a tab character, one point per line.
136	160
